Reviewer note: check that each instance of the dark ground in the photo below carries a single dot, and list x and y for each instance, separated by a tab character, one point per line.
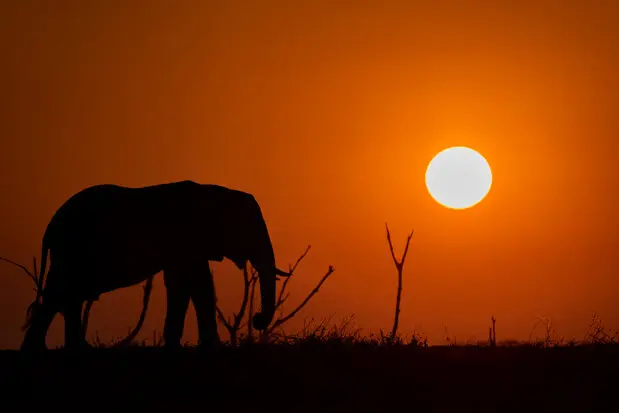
317	378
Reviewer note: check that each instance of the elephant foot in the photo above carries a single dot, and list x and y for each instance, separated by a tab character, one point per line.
85	345
32	344
173	347
208	346
81	346
33	348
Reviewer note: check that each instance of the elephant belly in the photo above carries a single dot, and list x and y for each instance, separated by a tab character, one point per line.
109	261
125	268
119	278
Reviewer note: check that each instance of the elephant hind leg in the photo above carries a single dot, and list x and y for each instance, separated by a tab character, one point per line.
34	337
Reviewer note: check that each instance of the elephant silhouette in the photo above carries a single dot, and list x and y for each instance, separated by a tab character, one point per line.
107	237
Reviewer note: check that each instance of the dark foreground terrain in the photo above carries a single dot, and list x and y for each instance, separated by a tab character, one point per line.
316	378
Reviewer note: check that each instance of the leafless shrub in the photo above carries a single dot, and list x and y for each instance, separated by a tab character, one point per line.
550	338
37	279
275	330
598	334
282	297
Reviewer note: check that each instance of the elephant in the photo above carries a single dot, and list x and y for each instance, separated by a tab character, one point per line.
106	237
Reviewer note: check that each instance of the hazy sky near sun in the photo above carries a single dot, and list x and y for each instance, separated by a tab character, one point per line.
329	112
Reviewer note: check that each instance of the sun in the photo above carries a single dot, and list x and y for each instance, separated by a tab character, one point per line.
458	177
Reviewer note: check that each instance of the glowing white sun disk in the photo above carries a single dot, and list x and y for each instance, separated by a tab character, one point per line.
458	177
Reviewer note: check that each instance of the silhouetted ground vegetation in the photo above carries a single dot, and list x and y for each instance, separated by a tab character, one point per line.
320	369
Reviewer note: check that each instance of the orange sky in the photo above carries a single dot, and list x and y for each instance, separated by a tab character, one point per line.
329	113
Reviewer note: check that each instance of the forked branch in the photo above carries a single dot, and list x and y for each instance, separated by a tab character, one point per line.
399	264
32	275
282	320
282	297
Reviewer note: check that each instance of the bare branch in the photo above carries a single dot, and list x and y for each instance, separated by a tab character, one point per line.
408	240
222	318
32	276
398	264
282	320
400	267
233	325
395	260
294	267
280	300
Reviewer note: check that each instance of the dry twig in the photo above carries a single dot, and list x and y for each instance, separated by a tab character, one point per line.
282	319
32	275
233	324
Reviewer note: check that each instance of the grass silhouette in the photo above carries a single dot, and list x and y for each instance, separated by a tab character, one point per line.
322	367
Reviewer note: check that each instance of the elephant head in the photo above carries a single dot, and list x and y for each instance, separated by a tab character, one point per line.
251	242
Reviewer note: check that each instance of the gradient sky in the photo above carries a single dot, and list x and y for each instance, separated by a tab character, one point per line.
329	112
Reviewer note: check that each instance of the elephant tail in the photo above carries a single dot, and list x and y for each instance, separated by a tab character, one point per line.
39	286
127	340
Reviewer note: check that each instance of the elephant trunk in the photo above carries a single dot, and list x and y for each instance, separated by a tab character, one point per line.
267	279
262	259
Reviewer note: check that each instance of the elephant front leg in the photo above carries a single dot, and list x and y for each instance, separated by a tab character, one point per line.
73	336
203	298
177	296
